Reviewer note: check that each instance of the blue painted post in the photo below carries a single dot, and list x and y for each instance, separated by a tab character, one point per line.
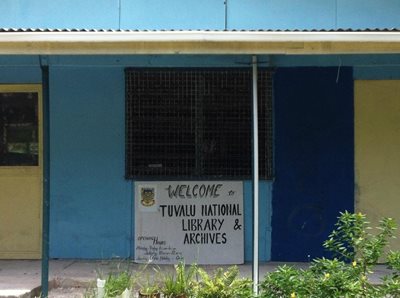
46	176
255	178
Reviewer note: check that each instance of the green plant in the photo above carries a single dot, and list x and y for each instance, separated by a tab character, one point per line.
149	288
391	283
286	281
356	251
223	284
351	241
116	284
148	282
393	259
180	283
335	278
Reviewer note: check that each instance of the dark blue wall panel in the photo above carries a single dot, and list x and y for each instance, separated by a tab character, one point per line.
314	158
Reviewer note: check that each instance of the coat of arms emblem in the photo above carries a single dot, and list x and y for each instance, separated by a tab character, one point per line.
147	196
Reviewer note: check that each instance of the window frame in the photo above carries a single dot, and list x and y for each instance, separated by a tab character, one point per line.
27	88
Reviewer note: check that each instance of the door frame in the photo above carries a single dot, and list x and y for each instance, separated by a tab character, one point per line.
34	171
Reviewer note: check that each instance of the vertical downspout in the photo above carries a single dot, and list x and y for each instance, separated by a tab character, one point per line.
46	176
255	178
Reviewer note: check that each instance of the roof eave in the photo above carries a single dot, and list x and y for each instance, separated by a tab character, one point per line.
198	42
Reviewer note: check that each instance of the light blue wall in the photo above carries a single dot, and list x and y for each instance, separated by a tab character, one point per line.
203	14
175	14
113	14
313	14
265	214
91	205
368	14
281	14
95	14
91	202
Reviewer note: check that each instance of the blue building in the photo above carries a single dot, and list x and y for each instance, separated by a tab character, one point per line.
329	79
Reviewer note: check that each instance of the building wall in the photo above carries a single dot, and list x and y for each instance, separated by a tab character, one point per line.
377	150
91	202
314	159
91	206
314	14
205	14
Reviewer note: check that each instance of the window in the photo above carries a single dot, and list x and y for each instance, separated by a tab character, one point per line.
195	123
18	128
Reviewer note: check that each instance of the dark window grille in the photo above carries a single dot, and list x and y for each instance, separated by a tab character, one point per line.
196	123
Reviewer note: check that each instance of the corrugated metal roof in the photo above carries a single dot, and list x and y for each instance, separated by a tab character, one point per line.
56	30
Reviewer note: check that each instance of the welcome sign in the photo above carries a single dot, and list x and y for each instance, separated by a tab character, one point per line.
194	221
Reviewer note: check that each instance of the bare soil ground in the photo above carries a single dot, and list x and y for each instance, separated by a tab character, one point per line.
68	293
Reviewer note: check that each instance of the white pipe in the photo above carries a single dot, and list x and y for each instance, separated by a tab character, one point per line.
255	179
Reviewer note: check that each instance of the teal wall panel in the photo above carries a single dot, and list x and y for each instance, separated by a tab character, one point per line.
370	62
173	14
20	75
378	73
154	60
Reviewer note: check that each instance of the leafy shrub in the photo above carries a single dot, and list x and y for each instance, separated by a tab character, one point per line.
223	284
391	283
286	281
356	251
351	240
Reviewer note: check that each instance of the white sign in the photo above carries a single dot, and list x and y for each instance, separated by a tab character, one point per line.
192	221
